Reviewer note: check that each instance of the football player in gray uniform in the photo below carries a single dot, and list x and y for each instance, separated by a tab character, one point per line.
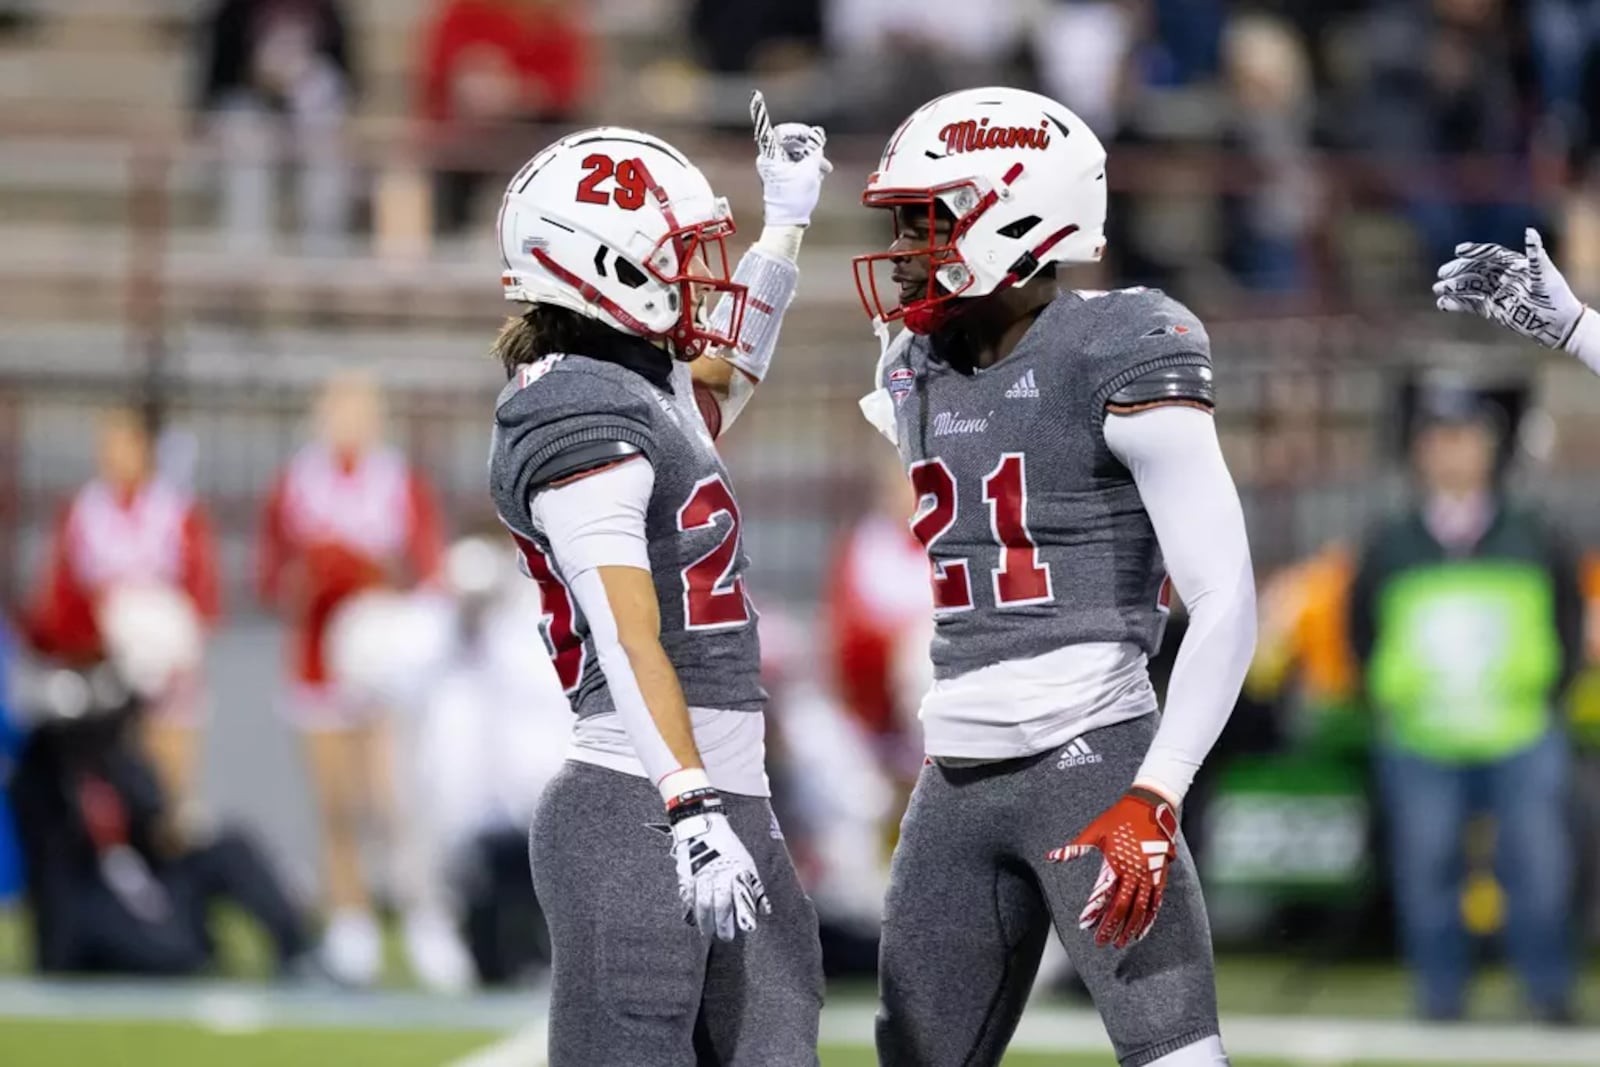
603	466
1064	453
1523	292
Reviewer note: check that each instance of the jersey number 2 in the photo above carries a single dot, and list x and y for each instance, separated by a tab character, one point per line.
629	191
560	633
713	597
1019	579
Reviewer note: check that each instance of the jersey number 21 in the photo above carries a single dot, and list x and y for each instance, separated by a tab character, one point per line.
1019	578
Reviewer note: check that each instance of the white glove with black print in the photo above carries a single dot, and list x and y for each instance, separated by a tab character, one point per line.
1522	291
790	160
718	883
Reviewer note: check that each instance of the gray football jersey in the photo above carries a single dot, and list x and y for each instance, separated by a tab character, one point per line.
1036	533
708	627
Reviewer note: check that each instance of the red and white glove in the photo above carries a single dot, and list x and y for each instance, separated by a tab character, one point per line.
1137	839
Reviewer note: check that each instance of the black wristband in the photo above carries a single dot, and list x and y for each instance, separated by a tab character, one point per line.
695	802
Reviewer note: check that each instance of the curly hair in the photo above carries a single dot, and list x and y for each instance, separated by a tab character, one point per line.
545	329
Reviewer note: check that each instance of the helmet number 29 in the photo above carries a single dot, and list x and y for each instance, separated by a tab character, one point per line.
628	191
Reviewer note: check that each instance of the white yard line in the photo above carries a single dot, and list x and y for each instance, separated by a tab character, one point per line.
525	1048
1302	1040
1045	1028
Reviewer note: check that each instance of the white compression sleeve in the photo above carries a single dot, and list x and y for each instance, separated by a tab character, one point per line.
596	522
1585	339
1185	486
771	271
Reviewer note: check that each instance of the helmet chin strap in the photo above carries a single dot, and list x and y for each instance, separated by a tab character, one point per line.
932	319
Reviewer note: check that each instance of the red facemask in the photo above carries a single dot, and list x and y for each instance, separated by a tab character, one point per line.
938	305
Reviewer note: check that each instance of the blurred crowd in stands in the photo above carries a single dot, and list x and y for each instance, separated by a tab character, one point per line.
1300	115
1286	90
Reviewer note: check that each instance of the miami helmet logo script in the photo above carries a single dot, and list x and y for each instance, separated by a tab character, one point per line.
972	136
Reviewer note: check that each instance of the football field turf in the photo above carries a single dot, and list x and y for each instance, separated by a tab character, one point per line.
73	1043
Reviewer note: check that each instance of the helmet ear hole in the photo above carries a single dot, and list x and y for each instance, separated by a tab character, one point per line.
1020	227
628	274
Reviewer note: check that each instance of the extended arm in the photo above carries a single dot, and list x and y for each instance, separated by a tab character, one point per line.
792	165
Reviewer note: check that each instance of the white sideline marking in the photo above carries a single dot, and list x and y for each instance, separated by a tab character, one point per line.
525	1048
1045	1028
1306	1040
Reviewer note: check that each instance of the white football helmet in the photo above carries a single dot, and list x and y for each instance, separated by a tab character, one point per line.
618	225
1022	177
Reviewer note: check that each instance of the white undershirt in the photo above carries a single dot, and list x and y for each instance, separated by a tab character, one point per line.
599	521
1022	707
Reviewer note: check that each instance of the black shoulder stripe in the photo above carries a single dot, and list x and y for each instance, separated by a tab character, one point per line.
1188	382
577	458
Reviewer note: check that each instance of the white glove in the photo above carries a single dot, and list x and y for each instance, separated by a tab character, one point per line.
717	879
1521	291
791	164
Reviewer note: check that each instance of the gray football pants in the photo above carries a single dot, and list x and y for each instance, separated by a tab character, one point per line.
632	984
972	899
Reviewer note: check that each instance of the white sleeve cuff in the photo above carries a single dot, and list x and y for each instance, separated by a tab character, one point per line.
598	520
781	241
1584	341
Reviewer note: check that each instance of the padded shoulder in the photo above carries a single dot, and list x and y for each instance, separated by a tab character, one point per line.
1146	341
1142	324
1180	383
559	414
560	396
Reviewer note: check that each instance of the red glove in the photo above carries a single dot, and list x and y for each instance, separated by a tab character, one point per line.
1137	839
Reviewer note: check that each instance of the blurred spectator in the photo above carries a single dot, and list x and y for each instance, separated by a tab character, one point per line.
491	733
894	55
348	516
1467	615
18	16
10	746
738	36
880	606
1269	132
114	885
832	799
1187	45
488	65
1085	48
1303	637
276	84
1442	84
1564	35
127	540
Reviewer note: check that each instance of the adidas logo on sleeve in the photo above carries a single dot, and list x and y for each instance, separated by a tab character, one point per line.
1077	754
1025	388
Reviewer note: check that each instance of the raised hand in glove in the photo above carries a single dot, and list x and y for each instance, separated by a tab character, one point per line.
1522	291
790	161
717	880
1137	839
